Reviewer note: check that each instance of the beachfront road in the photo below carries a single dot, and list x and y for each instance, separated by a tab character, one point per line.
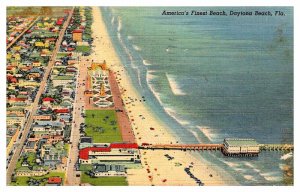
16	155
78	108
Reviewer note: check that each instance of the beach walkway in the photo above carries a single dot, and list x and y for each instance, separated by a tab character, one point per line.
123	119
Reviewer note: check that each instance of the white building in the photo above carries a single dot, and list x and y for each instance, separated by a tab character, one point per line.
102	170
236	146
127	152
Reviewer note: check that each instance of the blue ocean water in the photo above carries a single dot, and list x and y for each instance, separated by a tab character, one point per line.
213	77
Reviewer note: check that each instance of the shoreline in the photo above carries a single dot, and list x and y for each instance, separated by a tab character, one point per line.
157	169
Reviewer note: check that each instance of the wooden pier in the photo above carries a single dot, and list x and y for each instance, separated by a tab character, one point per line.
219	147
200	147
276	147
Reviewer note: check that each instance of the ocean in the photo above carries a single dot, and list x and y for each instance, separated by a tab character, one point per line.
214	77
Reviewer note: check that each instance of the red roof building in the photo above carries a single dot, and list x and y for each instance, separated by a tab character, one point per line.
70	49
54	180
51	39
48	99
77	31
77	35
60	21
61	111
17	99
84	153
14	80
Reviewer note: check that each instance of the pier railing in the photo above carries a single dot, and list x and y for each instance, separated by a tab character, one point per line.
276	147
204	146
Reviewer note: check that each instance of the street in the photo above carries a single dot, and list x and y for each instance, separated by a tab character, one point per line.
16	155
78	106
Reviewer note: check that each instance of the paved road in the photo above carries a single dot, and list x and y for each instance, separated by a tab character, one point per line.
78	108
13	42
16	155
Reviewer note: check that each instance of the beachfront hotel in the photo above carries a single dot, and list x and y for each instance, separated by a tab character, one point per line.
115	152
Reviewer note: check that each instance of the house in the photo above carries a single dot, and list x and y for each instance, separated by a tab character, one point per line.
16	110
36	63
55	180
57	111
47	130
33	75
35	171
15	120
77	35
48	100
30	146
60	21
65	117
53	154
103	170
52	123
62	80
42	117
126	152
39	44
71	62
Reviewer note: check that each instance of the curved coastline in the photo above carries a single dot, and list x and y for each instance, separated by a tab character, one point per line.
144	118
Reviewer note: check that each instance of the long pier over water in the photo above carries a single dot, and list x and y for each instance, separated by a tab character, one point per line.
203	146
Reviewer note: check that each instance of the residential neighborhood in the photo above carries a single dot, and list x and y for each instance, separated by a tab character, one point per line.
64	105
46	146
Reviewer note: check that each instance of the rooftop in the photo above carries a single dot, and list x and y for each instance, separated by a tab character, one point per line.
240	141
63	78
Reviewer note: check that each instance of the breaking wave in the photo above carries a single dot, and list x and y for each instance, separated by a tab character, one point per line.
175	87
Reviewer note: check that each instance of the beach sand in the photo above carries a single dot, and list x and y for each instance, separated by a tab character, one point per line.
157	169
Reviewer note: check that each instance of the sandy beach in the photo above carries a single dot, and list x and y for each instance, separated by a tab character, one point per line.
157	169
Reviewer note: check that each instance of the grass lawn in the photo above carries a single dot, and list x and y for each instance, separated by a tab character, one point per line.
30	159
62	54
83	49
67	148
85	167
102	126
22	181
104	181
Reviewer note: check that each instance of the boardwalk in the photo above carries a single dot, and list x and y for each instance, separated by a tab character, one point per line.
184	146
123	119
16	155
276	147
204	146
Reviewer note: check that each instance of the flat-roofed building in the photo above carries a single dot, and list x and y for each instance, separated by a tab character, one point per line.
115	152
62	80
77	35
238	146
103	170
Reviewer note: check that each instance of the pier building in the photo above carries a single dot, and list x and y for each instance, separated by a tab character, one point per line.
239	146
